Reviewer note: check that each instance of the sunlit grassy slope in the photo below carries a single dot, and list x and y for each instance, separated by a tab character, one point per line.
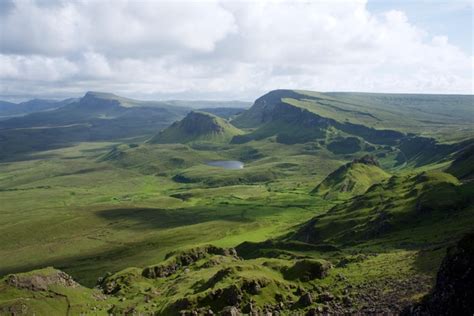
351	179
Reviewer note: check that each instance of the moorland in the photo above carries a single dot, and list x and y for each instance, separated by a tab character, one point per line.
346	202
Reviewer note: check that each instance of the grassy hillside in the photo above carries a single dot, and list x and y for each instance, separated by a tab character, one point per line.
315	227
445	118
398	207
353	178
463	165
197	126
292	117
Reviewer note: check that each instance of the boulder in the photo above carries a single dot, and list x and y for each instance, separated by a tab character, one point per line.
308	269
230	311
325	297
252	287
305	300
232	295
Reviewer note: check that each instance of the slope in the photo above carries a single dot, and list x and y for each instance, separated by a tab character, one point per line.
443	117
292	117
413	208
353	178
8	109
463	165
197	126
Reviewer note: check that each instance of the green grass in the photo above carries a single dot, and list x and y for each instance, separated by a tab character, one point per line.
349	180
92	214
89	208
397	207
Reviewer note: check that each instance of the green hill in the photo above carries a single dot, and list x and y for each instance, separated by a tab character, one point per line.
406	207
197	126
353	178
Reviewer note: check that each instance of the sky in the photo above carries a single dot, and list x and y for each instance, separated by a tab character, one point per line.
240	49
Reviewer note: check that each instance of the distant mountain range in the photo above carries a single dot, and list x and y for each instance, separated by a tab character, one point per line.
97	116
9	109
343	123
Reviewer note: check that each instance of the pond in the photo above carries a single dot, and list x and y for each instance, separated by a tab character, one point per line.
226	164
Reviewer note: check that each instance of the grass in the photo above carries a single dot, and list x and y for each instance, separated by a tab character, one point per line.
349	180
400	204
97	209
92	215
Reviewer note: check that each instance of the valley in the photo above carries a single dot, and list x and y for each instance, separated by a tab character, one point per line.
334	203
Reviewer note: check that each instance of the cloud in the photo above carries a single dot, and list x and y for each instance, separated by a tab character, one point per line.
233	49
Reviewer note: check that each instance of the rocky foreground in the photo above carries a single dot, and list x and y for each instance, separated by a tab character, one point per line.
235	286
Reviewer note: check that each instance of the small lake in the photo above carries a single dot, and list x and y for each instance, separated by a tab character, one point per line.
226	164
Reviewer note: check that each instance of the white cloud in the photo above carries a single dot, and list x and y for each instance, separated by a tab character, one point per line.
221	48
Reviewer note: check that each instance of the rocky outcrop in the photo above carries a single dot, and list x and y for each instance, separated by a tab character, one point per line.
453	293
308	269
41	280
367	160
175	261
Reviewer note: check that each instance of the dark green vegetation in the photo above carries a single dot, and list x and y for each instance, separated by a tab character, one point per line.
347	203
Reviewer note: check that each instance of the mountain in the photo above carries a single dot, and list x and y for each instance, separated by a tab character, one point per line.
344	125
353	178
94	117
197	126
290	117
443	117
209	104
8	109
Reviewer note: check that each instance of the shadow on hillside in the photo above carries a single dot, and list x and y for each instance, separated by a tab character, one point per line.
155	218
92	263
